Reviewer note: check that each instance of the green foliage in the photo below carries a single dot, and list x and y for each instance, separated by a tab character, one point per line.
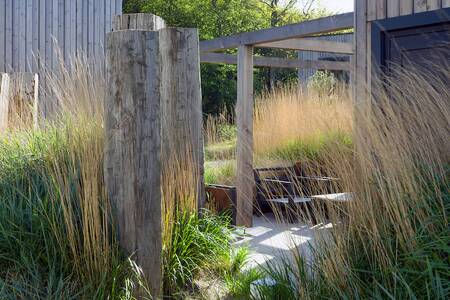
216	18
220	173
36	257
323	83
313	148
36	261
196	242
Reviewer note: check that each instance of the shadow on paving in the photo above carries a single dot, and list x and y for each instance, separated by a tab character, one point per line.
270	241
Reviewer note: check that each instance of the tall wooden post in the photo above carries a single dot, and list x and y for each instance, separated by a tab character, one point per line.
4	102
133	146
245	185
181	105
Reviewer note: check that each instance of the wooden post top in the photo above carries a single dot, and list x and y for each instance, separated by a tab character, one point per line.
138	21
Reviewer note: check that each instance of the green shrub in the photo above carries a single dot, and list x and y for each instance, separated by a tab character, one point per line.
323	82
196	242
44	250
222	173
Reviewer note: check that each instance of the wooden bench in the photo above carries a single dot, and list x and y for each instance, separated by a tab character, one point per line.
290	190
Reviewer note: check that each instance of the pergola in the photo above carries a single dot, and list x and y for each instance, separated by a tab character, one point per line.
294	37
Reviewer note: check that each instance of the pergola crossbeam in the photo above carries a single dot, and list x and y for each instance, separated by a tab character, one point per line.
310	44
298	30
277	62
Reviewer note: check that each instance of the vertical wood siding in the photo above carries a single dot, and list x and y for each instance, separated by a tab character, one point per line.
304	75
367	11
30	28
380	9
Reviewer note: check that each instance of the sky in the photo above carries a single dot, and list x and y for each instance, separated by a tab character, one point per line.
337	5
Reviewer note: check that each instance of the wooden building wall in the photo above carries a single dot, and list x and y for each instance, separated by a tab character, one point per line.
305	74
28	29
367	11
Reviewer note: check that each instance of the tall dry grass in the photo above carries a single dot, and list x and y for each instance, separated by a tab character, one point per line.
393	240
61	242
287	120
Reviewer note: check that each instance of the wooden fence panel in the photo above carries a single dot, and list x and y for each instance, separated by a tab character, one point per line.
28	29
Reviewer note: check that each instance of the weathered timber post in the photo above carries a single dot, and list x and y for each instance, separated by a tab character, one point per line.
138	22
181	98
19	100
133	146
245	185
181	104
4	102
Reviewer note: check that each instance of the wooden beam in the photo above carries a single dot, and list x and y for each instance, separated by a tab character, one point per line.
276	62
245	183
181	110
310	44
322	25
133	148
359	84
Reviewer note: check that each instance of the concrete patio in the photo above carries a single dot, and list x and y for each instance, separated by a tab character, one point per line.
270	240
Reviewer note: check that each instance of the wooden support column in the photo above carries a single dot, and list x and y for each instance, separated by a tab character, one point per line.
181	107
133	148
4	102
245	185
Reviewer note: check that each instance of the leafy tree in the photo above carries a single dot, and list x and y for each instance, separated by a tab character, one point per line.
216	18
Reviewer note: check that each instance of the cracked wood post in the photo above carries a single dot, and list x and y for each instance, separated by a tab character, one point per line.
181	106
245	183
133	147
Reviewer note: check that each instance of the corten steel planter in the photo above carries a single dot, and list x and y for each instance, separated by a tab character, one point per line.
223	198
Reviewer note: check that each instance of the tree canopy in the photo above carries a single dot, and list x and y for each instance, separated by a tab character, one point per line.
216	18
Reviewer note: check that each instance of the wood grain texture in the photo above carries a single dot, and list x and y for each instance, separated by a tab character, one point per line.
4	102
322	25
310	44
433	4
8	36
2	35
138	21
420	6
28	29
360	59
133	146
371	10
406	7
276	62
245	182
393	8
181	103
381	9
